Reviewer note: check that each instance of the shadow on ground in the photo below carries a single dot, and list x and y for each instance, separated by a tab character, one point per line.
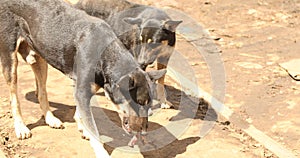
189	106
64	112
159	141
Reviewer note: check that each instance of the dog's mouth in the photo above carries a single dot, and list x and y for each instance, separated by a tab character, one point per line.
134	124
137	135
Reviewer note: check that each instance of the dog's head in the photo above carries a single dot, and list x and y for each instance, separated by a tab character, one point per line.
155	38
132	95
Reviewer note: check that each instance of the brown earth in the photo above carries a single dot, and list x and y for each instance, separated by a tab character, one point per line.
254	37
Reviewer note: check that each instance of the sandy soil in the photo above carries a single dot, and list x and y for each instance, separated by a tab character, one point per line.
253	36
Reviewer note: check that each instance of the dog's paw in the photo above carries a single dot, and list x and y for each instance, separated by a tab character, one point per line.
22	131
53	122
150	112
80	127
166	105
85	135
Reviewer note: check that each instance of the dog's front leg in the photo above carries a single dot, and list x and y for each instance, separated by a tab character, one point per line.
85	75
161	95
84	116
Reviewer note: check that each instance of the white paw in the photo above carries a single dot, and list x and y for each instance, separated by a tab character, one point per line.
52	121
80	127
165	106
85	135
150	112
22	131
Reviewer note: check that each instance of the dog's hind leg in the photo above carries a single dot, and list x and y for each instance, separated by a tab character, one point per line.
9	65
40	69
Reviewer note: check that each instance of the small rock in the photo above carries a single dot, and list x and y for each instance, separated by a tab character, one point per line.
268	154
9	146
195	64
256	145
207	3
249	120
252	11
226	123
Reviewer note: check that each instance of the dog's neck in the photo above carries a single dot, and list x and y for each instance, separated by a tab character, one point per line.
118	62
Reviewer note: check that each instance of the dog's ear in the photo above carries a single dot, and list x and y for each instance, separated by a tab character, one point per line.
133	21
171	25
156	74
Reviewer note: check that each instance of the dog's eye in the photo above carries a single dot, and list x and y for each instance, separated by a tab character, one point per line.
149	40
141	38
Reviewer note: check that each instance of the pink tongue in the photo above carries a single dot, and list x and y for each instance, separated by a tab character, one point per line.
133	141
135	138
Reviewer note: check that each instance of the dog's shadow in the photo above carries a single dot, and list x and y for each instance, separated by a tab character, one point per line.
64	112
189	106
160	142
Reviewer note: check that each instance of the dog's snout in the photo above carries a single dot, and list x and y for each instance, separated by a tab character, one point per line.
138	124
142	102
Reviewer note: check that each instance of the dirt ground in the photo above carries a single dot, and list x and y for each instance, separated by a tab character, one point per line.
254	38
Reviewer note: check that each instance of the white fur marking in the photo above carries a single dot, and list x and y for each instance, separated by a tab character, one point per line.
30	59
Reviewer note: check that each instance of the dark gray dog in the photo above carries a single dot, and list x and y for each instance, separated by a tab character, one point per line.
149	33
80	46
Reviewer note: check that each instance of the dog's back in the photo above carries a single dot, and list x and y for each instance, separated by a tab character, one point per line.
104	8
114	12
